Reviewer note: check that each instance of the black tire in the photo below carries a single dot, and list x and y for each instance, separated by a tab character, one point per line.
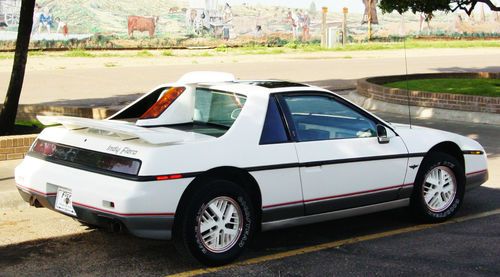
418	204
187	237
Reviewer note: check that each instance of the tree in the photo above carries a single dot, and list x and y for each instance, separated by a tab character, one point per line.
428	7
11	103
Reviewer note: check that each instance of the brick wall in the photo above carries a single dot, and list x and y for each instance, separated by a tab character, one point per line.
15	147
373	88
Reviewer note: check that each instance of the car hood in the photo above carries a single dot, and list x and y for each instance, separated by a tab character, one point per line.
422	139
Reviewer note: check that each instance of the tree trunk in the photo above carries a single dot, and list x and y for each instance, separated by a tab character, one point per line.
9	110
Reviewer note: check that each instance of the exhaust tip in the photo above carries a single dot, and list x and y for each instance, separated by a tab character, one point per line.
34	202
116	227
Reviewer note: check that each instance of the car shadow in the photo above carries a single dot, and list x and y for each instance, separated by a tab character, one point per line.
101	253
468	69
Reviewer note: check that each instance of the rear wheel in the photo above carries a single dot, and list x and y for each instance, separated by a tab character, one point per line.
217	224
439	188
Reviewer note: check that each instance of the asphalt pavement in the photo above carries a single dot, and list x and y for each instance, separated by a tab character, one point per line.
36	242
388	243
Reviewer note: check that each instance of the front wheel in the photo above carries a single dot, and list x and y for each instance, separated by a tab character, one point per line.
439	188
217	224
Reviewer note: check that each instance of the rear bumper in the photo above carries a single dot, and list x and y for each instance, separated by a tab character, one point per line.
476	179
141	225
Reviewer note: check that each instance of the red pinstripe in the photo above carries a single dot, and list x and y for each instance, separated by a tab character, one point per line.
336	196
477	172
121	214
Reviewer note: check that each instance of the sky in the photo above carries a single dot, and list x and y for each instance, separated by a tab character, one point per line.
355	6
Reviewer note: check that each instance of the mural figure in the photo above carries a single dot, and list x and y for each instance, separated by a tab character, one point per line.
293	21
370	8
36	18
305	25
62	27
142	24
45	20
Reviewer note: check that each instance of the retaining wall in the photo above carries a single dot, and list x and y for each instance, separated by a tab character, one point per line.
374	88
15	147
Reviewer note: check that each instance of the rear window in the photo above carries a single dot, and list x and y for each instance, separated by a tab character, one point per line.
216	107
214	112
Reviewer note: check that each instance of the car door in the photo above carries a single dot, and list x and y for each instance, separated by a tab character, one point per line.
342	163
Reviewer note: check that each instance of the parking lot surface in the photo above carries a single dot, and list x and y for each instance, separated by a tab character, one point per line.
37	242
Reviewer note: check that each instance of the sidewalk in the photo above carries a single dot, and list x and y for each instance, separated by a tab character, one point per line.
7	170
57	79
9	197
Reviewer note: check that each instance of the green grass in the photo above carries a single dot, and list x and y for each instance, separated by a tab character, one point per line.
258	49
36	53
6	56
79	53
484	87
30	123
410	44
167	53
144	53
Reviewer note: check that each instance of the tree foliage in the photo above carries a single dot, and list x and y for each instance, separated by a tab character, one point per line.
428	7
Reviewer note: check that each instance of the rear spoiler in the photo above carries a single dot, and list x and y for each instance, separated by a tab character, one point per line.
123	130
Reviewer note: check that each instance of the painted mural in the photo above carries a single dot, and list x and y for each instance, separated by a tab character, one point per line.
206	20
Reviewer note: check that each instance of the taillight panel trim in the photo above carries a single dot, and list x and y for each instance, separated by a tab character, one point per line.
86	159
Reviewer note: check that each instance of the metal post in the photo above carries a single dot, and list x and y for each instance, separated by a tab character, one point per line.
344	26
369	20
323	27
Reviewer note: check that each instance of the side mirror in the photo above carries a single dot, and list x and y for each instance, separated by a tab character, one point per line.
382	134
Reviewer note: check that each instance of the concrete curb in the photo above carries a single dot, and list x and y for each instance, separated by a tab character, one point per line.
424	112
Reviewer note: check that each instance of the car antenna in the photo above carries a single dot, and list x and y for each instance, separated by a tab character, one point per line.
406	78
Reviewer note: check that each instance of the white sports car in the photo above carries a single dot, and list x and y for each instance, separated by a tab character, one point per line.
209	160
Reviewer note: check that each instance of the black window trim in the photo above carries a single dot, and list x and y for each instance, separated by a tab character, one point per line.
284	121
288	116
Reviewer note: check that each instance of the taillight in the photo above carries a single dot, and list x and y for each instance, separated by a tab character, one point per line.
119	164
44	147
165	101
169	177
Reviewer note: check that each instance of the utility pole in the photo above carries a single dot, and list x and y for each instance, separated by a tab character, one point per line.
369	20
345	11
324	43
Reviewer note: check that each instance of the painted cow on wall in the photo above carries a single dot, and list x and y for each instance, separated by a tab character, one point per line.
142	24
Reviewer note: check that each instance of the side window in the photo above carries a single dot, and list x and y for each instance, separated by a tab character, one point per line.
274	129
323	118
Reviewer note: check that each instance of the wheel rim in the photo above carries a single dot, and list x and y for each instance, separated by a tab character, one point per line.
220	224
439	189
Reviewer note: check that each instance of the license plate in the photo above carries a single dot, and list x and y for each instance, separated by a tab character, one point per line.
63	201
